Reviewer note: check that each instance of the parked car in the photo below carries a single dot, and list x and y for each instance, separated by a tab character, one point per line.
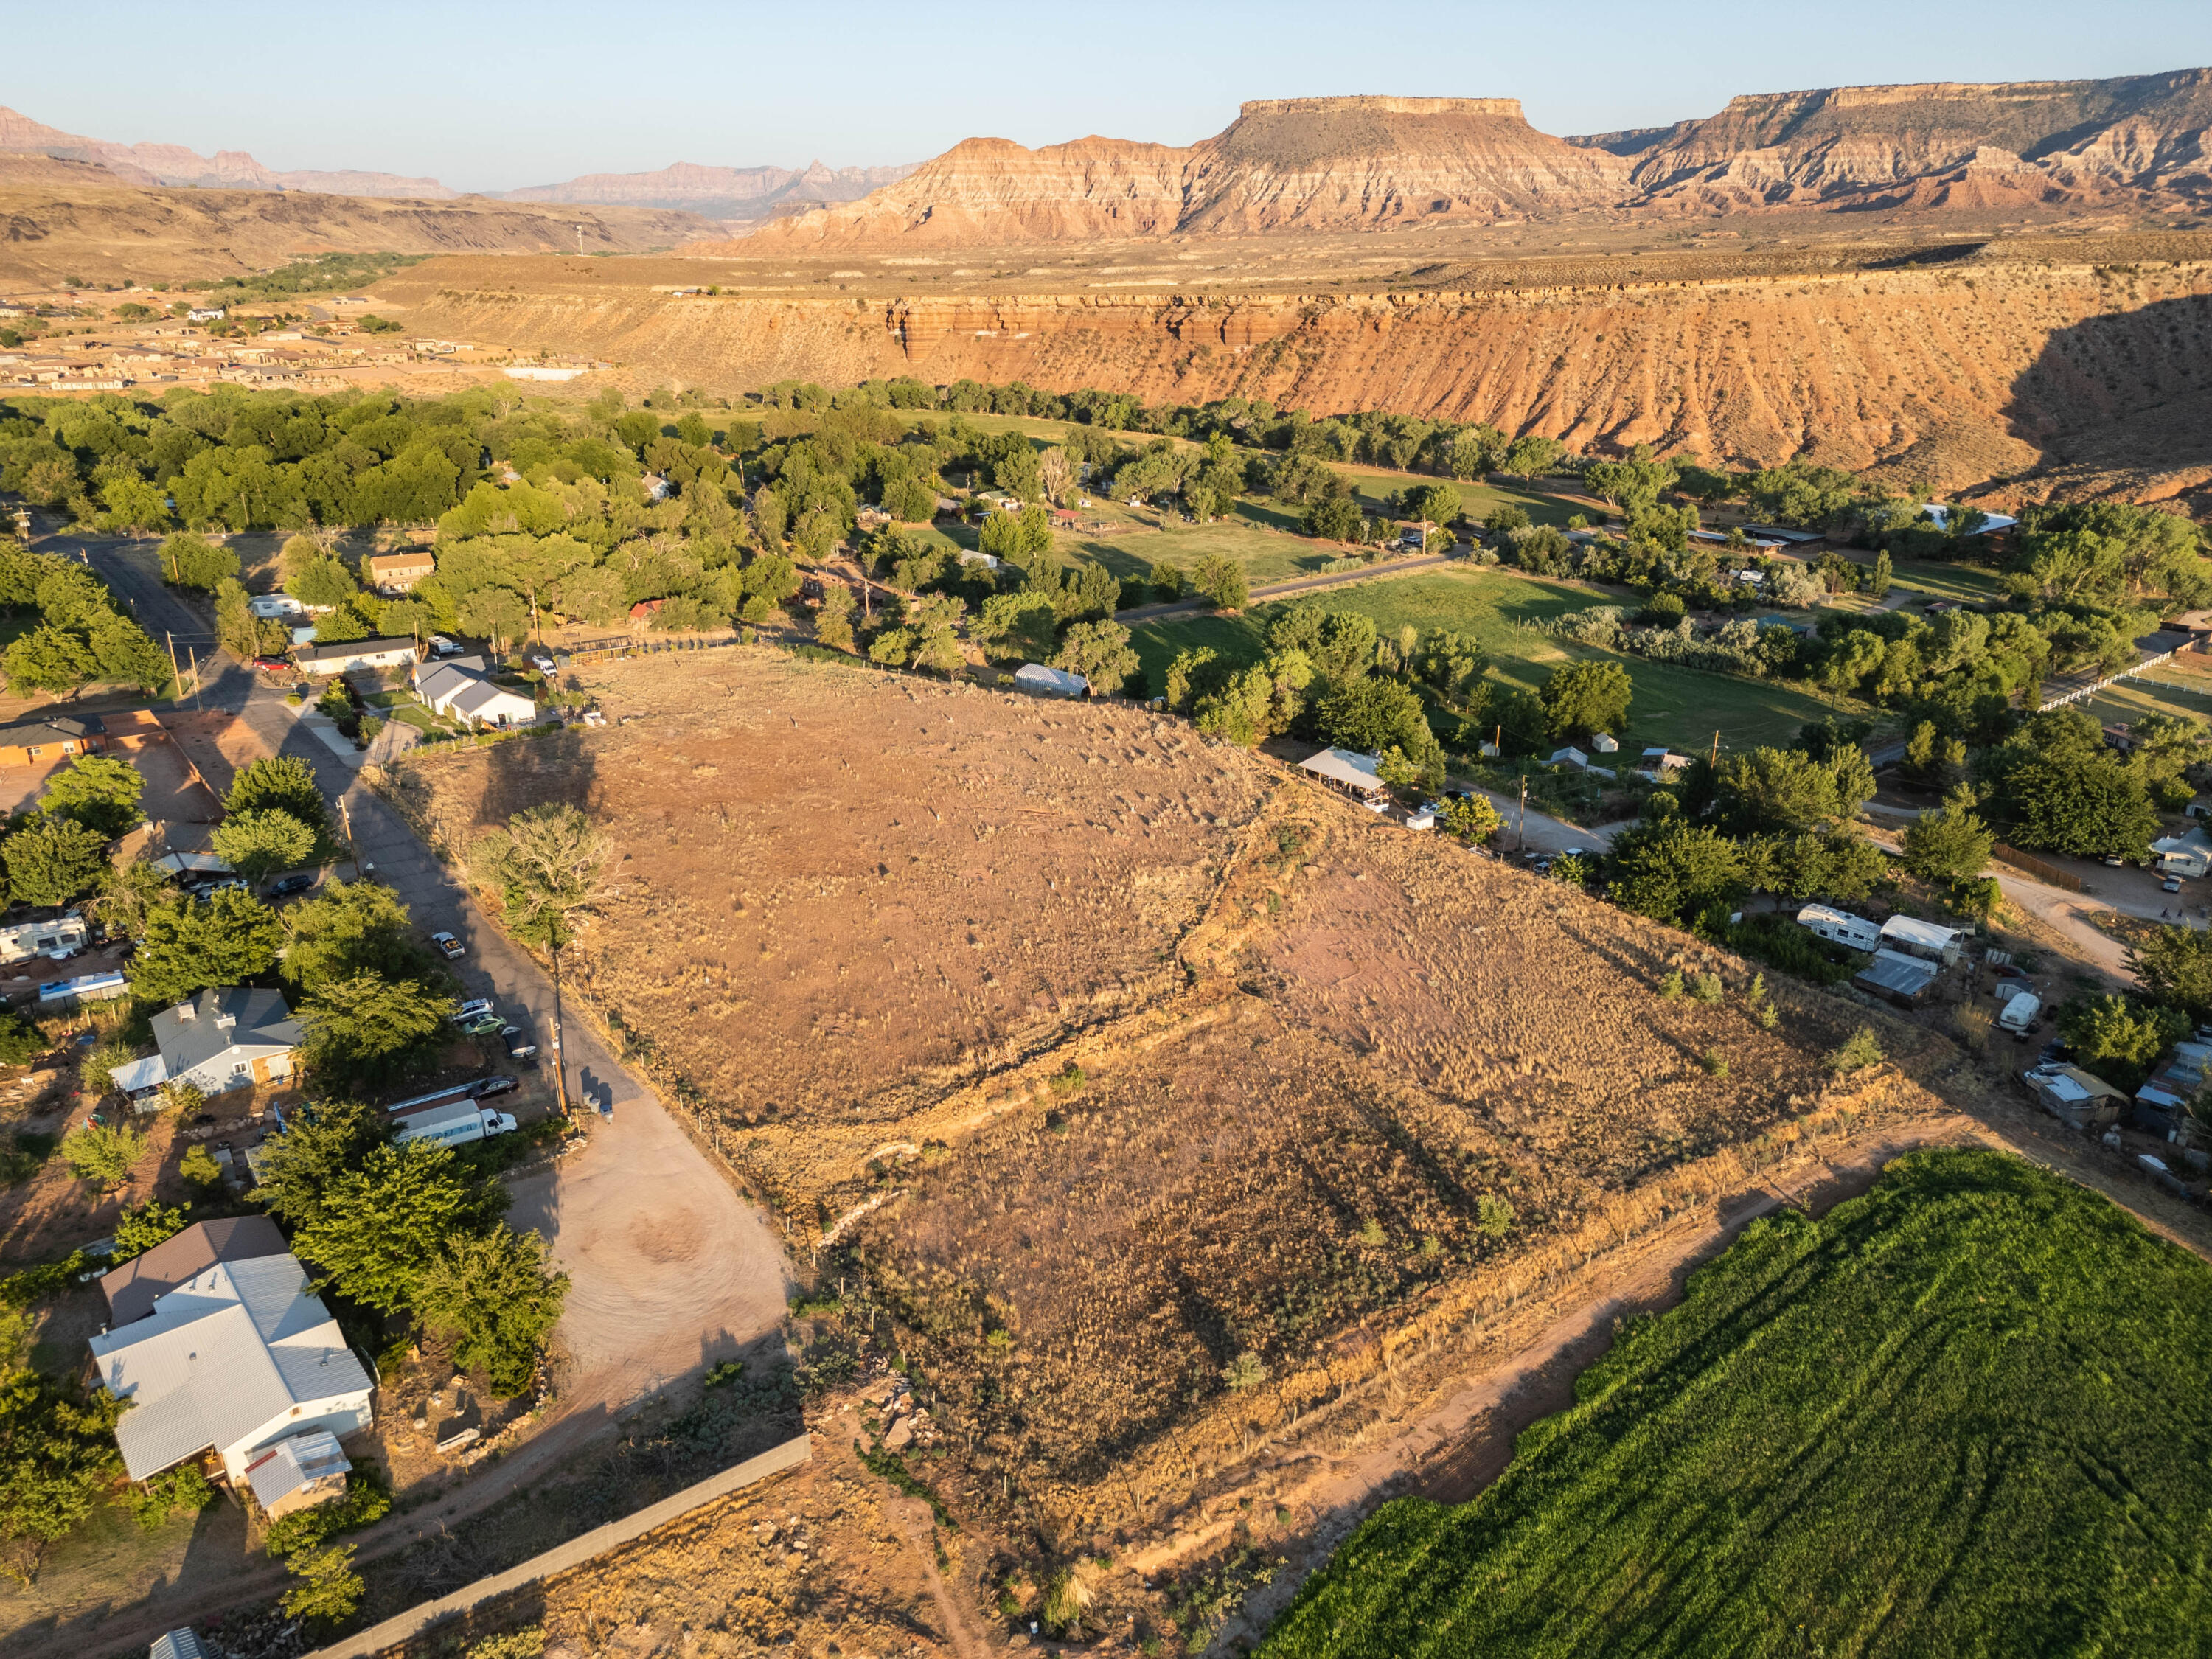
472	1007
285	886
452	947
520	1045
2170	885
481	1024
2116	861
542	664
274	665
485	1087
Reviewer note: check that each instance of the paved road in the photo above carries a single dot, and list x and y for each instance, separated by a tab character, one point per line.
1144	613
671	1269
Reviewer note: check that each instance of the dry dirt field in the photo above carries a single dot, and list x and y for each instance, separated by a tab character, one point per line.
1155	1108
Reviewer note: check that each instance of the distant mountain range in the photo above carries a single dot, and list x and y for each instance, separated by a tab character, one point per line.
740	194
1377	163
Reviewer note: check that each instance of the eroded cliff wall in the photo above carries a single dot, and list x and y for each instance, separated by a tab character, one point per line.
1953	376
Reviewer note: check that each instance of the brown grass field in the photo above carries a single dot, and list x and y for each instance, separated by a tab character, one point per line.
1085	1057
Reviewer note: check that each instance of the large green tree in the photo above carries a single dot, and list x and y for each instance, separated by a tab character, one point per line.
1950	843
283	781
2175	966
100	792
1582	698
381	1223
497	1295
263	840
372	1029
1670	870
1100	652
349	928
191	944
51	860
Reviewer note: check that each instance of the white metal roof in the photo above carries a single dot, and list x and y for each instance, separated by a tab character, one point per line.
139	1074
1916	931
295	1462
219	1358
1343	766
1891	970
1058	680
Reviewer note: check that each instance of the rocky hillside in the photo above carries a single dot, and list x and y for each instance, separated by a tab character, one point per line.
1936	144
2052	360
733	193
1284	164
1338	164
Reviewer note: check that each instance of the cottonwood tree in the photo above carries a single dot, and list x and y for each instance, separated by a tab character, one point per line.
98	792
53	860
1950	843
189	944
1580	698
1100	652
348	928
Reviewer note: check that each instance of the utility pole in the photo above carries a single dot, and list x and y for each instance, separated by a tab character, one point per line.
175	673
195	661
1521	829
1715	761
560	1058
345	819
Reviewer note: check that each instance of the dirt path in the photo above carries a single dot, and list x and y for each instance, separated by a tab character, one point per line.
918	1527
2065	913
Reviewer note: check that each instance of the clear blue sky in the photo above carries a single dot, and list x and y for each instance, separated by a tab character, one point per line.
495	95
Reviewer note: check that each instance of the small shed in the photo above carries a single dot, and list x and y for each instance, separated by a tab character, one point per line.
1053	682
1354	773
1840	928
1900	979
2074	1097
177	1644
298	1473
1606	743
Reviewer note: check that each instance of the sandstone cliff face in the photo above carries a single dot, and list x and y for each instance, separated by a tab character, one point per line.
1865	145
1950	376
1284	164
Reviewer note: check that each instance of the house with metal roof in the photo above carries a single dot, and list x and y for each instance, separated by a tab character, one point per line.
229	1363
132	1288
2075	1097
458	687
227	1037
298	1473
345	658
2185	855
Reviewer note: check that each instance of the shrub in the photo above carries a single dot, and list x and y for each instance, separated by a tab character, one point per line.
101	1155
1715	1062
1855	1052
325	1590
1707	987
1671	987
183	1490
198	1166
1494	1216
1247	1370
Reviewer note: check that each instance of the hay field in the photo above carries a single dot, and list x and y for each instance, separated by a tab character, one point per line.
1146	1099
1925	1423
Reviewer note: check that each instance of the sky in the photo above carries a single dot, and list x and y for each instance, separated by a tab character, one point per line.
493	95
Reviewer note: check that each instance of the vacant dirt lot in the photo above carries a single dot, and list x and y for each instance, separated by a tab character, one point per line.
840	895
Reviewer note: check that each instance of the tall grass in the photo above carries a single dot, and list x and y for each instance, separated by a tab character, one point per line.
1941	1420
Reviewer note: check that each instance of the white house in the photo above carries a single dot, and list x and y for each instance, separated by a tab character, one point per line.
1840	928
234	1359
422	671
226	1038
2185	855
1919	939
1055	682
455	688
357	653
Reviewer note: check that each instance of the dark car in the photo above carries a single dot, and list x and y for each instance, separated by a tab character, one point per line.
520	1045
285	887
485	1088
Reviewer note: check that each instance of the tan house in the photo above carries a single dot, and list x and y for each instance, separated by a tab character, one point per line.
396	572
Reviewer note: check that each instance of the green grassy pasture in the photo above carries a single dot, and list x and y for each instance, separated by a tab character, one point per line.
1676	706
1954	1416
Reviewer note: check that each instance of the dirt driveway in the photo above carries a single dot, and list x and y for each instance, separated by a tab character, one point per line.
669	1268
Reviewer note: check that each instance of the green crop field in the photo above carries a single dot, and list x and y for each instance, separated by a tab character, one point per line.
1676	706
1244	538
1373	487
1960	1415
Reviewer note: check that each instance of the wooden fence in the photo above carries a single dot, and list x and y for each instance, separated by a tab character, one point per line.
2030	865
